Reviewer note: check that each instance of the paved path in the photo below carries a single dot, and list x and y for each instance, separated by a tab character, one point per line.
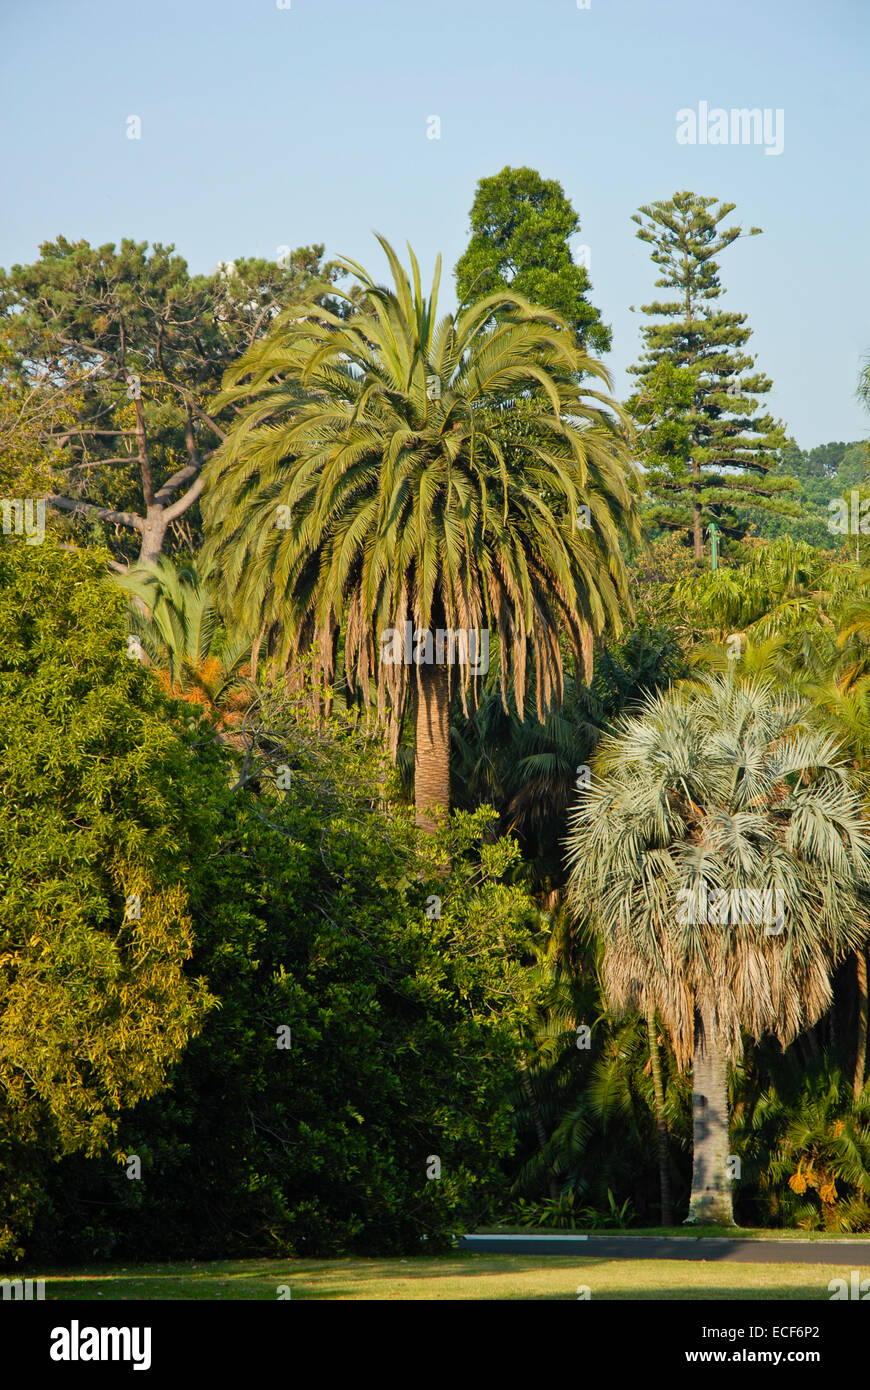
851	1253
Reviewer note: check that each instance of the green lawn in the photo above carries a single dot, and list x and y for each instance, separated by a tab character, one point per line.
448	1277
686	1232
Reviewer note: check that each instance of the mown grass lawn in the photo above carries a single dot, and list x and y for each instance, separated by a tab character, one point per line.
465	1276
682	1232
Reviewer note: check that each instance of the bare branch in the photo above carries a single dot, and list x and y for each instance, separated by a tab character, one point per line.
183	475
184	502
69	504
197	410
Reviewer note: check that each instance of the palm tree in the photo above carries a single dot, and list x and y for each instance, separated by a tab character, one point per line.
806	1136
786	590
841	708
720	789
529	769
173	617
388	467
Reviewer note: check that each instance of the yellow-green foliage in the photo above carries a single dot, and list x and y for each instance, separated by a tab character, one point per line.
102	817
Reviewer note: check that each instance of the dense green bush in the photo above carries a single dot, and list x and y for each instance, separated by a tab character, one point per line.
105	814
312	912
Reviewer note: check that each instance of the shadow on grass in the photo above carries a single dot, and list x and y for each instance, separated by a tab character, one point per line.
450	1278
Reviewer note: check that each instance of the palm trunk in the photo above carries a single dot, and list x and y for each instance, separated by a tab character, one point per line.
661	1126
710	1202
861	1055
432	756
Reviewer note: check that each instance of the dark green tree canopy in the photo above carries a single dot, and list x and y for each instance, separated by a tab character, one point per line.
521	226
829	471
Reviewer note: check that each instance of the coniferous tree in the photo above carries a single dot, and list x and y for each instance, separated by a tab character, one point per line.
108	359
521	229
709	451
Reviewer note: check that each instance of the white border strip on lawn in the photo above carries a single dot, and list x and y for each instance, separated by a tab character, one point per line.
545	1235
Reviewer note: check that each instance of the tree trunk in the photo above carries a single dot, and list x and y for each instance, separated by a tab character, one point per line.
538	1122
710	1202
661	1126
697	528
861	1055
432	756
153	534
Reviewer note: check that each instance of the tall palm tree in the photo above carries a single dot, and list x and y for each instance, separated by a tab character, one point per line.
388	467
840	708
718	787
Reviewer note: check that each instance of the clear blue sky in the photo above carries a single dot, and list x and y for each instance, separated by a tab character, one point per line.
264	127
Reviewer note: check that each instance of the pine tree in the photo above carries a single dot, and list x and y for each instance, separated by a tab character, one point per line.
708	449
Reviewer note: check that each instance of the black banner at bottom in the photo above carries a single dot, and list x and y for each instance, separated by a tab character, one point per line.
77	1339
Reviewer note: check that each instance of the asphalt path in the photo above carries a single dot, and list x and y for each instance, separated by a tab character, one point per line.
615	1247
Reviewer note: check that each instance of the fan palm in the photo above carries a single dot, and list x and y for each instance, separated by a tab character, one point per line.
389	467
841	709
720	788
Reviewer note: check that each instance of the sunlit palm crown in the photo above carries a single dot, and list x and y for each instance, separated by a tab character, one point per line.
433	470
178	631
722	782
182	621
